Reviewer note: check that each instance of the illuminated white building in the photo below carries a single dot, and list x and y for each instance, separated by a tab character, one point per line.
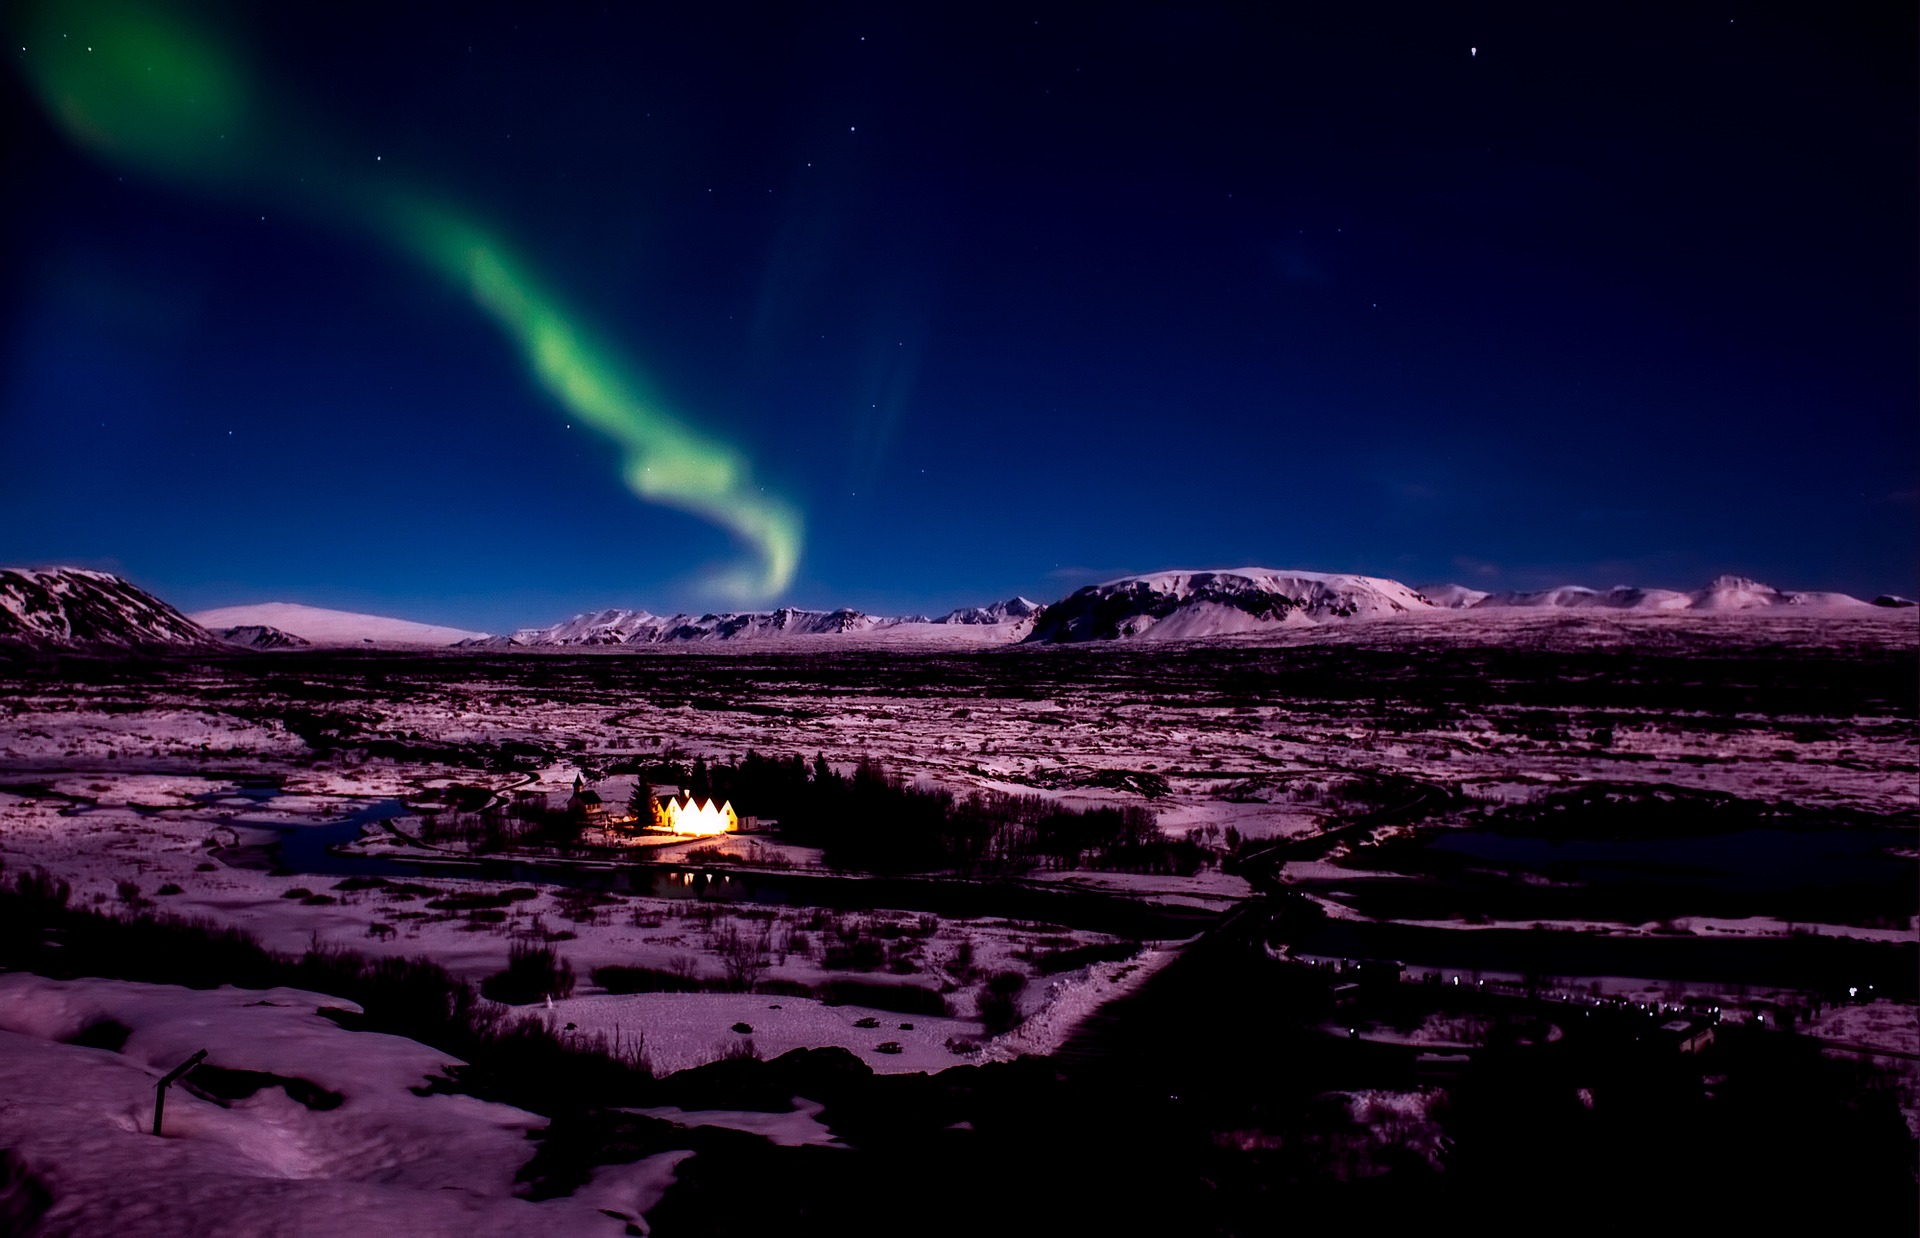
682	814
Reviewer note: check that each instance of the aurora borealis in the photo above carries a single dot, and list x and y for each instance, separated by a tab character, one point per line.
143	87
486	313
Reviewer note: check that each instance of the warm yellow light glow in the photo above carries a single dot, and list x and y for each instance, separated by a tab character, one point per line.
685	815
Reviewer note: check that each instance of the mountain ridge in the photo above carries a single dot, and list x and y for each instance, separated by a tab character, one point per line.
1723	593
77	607
642	627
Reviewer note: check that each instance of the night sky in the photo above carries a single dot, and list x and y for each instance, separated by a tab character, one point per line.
489	313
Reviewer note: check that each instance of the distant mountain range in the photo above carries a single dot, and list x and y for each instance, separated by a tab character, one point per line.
1725	593
1196	605
639	627
73	607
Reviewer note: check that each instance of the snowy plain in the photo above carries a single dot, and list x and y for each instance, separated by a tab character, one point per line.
373	1157
160	788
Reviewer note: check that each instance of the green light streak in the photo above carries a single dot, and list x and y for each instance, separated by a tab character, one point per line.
139	86
666	462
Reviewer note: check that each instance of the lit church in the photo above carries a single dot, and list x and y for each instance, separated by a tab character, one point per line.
680	813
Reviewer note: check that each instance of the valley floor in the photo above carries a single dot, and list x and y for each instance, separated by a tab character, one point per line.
1693	817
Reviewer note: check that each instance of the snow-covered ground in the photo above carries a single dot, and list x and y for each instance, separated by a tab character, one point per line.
378	1159
166	840
153	788
690	1029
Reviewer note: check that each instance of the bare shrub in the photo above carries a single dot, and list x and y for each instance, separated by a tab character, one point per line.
533	971
744	956
999	1002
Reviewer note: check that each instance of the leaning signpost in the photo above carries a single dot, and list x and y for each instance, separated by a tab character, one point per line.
160	1088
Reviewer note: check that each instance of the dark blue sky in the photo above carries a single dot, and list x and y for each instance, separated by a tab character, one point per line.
1003	300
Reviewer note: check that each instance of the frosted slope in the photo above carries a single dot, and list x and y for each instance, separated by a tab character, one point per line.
74	606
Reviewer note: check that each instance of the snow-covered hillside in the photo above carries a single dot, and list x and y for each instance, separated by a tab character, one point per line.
71	606
332	627
1191	605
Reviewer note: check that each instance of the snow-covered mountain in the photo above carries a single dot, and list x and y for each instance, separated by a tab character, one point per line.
1739	593
71	606
1726	593
1579	597
1453	597
76	607
332	627
1191	605
639	627
259	636
1013	610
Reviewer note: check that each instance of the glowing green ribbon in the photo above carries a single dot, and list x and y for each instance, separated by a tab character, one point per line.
136	84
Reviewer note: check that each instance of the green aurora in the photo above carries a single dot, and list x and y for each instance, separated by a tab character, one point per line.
140	86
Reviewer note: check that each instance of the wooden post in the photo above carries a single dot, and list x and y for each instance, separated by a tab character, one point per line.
160	1088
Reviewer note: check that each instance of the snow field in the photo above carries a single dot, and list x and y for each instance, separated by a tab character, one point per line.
383	1160
98	849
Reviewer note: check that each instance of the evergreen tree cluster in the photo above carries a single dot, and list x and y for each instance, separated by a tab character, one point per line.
873	820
